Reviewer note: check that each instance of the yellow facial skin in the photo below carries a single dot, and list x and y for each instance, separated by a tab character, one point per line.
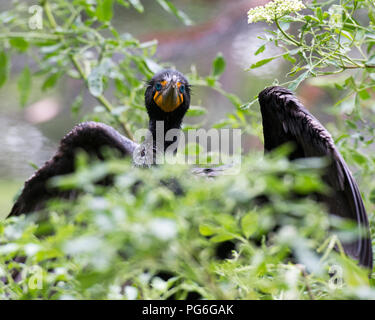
164	100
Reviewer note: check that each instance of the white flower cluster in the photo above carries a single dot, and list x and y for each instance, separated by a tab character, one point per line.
274	9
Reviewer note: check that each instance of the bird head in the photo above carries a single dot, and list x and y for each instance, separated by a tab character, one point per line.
167	96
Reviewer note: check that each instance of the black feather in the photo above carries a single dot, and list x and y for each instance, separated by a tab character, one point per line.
90	137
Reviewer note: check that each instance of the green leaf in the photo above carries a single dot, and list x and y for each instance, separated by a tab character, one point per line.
359	157
350	83
371	16
33	165
95	82
51	81
338	86
19	43
77	104
261	63
284	25
319	14
137	5
351	124
51	48
249	104
152	65
294	85
195	111
233	99
169	7
347	35
260	49
306	184
218	65
4	68
249	224
104	10
193	149
364	95
372	196
222	237
289	58
95	79
210	81
221	124
24	85
123	3
371	61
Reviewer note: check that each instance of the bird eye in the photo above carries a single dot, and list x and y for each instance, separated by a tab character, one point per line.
158	86
182	88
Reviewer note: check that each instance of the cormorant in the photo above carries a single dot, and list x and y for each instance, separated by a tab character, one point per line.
285	119
167	99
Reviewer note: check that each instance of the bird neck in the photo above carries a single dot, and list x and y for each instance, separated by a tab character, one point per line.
165	131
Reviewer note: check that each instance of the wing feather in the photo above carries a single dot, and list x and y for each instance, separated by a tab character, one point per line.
87	136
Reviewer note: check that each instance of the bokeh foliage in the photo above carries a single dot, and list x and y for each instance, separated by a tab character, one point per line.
120	243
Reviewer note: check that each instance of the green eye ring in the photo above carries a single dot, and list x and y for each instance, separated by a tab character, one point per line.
158	86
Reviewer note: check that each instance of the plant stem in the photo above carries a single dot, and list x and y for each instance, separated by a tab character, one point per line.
285	34
102	99
29	35
49	14
357	67
304	274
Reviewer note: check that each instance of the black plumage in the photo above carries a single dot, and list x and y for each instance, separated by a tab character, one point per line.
172	119
92	137
286	120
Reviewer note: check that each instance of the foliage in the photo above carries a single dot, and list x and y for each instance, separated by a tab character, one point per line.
326	39
138	240
122	242
79	40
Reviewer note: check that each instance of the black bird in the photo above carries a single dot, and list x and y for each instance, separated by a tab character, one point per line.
167	99
285	119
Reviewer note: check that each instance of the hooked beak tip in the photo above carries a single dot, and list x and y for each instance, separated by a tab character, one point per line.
174	81
171	89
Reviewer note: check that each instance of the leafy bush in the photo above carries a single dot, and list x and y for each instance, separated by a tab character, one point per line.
138	240
122	242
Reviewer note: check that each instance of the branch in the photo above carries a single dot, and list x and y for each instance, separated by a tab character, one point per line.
286	35
102	99
30	35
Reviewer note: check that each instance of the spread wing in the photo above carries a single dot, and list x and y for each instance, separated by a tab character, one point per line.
286	120
88	136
